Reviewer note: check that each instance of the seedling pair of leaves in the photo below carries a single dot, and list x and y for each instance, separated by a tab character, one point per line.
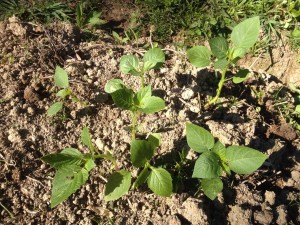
61	80
243	37
72	168
158	179
215	159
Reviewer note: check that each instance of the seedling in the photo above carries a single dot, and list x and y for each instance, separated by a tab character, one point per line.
87	20
72	168
141	101
119	39
215	159
243	37
61	80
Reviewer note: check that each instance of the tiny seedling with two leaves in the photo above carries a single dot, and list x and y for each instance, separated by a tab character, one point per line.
61	80
142	101
215	159
72	168
243	37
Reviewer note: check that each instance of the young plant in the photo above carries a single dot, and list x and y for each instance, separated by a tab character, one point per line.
87	20
141	101
215	159
72	168
120	39
61	80
243	37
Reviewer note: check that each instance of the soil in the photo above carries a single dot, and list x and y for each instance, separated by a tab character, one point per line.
29	54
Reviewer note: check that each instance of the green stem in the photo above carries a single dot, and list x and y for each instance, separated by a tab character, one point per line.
220	86
134	121
142	80
9	213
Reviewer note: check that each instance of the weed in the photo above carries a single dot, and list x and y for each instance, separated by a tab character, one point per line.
243	37
215	159
61	80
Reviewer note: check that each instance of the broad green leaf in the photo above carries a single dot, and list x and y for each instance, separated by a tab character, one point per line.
297	109
69	156
212	187
117	185
152	104
244	160
219	47
113	85
240	76
238	53
220	150
142	177
245	34
207	166
199	139
89	164
296	33
199	56
61	78
143	93
55	108
86	138
160	182
63	93
141	151
220	64
123	98
154	139
153	58
129	64
67	180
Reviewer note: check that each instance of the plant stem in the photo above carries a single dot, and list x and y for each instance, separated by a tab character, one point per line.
142	80
9	213
220	86
134	121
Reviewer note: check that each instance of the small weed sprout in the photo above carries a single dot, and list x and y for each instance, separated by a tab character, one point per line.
215	159
158	179
61	80
84	20
243	37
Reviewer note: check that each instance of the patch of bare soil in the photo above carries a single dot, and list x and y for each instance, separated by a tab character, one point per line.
28	56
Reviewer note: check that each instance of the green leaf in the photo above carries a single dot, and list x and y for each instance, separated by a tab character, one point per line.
154	139
152	104
113	85
199	56
238	53
219	47
67	180
142	177
199	139
212	187
153	58
89	165
220	64
244	160
123	98
129	64
63	93
55	108
69	156
296	33
117	185
240	76
294	88
143	93
245	34
160	182
86	138
207	166
220	150
95	19
141	151
61	78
